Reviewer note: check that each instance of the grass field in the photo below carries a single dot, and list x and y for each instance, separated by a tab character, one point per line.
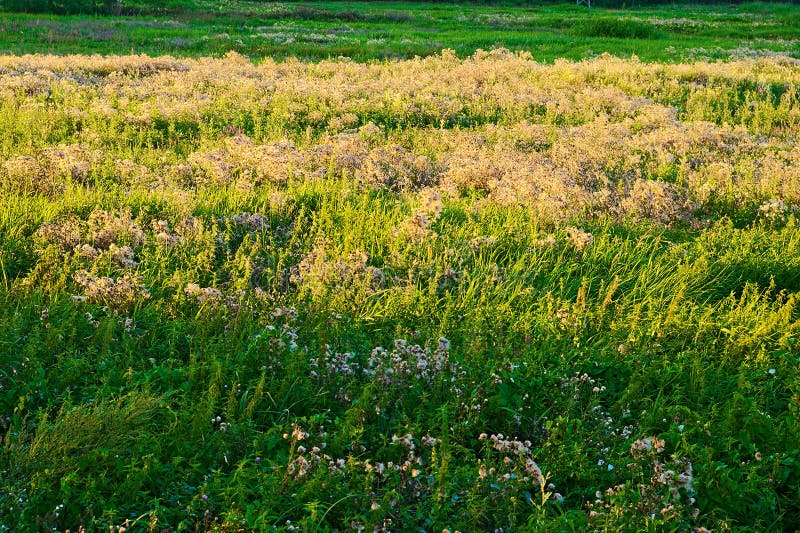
362	31
479	293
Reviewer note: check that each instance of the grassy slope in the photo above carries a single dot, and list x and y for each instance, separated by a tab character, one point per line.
366	31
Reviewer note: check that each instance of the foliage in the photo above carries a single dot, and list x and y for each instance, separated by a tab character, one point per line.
465	294
618	29
54	6
366	31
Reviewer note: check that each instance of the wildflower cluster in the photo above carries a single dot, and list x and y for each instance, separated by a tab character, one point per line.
667	495
118	293
115	232
409	363
608	137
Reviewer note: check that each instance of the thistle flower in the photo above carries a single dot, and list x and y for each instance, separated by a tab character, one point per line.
118	293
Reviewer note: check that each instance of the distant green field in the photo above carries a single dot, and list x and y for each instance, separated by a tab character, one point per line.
362	31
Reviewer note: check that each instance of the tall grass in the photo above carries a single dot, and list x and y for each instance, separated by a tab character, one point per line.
442	293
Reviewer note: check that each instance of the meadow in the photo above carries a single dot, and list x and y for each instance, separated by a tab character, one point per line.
461	293
401	30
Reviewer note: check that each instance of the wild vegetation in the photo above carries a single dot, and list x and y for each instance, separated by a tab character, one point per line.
379	30
465	291
436	294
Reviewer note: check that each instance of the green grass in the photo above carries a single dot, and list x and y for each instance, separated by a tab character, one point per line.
188	335
469	294
366	31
